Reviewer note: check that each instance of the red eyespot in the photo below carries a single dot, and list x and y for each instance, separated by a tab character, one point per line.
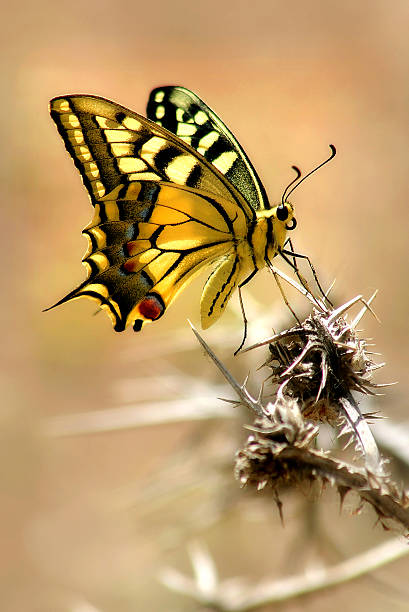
152	307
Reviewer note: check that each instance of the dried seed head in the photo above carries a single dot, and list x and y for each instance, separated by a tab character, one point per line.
264	461
318	364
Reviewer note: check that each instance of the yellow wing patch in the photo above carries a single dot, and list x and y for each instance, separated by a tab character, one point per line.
218	288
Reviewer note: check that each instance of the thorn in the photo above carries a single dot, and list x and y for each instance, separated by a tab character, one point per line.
346	430
274	339
299	359
260	393
363	311
324	373
349	443
246	380
243	394
339	311
328	291
279	504
234	403
390	384
262	484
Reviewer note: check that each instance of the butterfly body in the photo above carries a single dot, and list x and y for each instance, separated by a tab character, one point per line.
166	205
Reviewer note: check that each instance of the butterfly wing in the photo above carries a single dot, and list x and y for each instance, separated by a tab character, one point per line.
182	112
112	146
219	287
162	211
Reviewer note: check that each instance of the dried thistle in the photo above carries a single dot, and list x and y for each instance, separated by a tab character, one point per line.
319	363
260	462
315	367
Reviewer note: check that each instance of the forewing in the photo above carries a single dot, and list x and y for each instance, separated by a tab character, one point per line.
182	112
113	146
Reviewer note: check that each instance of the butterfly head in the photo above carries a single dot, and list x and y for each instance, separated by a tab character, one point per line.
285	213
282	220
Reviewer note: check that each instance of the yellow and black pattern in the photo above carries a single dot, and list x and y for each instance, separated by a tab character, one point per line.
111	145
163	210
182	112
148	242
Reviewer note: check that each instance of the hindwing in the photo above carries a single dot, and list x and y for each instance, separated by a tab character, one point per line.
219	287
147	241
182	112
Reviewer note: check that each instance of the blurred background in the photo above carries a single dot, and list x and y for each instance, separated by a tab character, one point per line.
94	507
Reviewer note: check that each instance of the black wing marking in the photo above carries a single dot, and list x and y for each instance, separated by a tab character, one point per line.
182	112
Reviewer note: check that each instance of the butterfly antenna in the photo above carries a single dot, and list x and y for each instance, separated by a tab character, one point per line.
298	172
333	153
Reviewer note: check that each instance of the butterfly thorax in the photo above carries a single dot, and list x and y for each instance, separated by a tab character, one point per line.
268	234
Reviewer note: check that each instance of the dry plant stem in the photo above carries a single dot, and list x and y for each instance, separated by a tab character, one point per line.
232	596
323	579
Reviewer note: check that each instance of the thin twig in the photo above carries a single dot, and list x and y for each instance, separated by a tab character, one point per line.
232	596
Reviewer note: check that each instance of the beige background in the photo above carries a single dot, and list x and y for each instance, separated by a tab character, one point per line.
288	78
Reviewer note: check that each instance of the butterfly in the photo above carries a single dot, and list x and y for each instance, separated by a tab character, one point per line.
172	194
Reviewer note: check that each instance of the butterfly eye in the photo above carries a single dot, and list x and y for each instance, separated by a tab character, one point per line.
282	212
293	224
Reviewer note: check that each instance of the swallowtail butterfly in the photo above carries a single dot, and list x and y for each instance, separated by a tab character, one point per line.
172	193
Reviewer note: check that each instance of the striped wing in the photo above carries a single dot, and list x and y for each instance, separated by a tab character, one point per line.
162	212
112	146
182	112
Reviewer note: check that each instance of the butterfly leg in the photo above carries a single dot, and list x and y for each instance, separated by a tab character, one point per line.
246	280
293	264
270	265
244	322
